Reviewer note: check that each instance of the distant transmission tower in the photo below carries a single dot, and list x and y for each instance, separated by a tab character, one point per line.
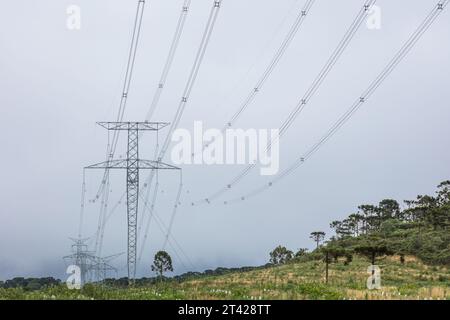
92	267
81	257
101	266
132	164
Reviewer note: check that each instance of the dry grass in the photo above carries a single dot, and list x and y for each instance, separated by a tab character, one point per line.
409	281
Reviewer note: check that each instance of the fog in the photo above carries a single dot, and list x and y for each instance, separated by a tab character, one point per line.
56	83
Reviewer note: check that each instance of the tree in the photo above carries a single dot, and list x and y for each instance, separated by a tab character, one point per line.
334	251
348	258
301	252
438	218
408	214
344	228
373	247
317	237
327	262
280	255
33	285
428	210
443	193
355	223
389	209
371	216
162	263
336	226
441	216
330	251
347	228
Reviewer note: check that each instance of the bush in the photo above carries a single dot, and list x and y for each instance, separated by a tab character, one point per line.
317	291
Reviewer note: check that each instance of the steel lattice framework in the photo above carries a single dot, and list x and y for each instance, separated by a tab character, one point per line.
91	266
132	164
81	257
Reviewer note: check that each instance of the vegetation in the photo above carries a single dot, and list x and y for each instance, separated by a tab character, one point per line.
318	237
29	284
411	245
280	255
420	229
162	263
302	278
301	252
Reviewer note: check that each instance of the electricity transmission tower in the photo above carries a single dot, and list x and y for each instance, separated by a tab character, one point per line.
81	257
132	164
91	266
101	266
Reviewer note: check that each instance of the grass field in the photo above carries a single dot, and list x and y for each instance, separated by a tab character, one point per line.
299	280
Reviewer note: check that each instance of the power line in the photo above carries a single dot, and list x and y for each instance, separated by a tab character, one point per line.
133	164
130	69
170	58
82	206
266	74
208	30
105	210
274	62
193	74
111	147
111	213
150	216
301	17
101	217
326	69
126	85
174	210
172	241
398	57
263	52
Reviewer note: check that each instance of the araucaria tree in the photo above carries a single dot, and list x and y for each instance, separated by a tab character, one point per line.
419	228
373	247
317	237
162	263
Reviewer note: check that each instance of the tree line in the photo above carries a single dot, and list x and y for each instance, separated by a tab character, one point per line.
419	227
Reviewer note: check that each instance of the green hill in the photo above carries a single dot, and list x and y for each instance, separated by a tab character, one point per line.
295	280
410	245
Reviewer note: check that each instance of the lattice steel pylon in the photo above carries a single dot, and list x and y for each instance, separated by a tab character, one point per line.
133	164
101	266
82	258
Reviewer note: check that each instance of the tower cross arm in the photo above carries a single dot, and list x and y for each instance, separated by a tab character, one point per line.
145	126
141	164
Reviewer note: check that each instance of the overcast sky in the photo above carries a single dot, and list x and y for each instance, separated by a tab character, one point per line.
55	83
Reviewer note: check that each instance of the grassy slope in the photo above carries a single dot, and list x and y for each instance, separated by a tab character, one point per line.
301	280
